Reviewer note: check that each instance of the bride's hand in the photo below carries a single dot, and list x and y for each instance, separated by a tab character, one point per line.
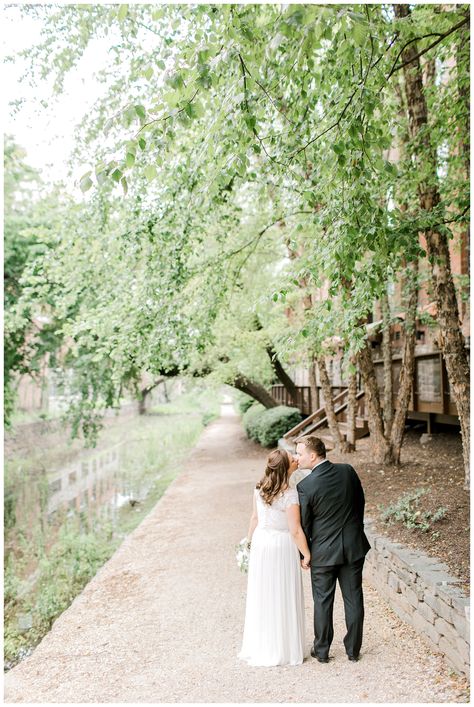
305	562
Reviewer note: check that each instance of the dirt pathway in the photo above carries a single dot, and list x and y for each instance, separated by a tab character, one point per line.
162	620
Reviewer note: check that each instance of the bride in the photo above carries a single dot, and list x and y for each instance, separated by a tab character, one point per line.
274	617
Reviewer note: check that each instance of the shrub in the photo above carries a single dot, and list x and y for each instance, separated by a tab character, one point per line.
245	403
267	426
251	419
275	422
406	510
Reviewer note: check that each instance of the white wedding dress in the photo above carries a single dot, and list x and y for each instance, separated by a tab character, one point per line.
274	617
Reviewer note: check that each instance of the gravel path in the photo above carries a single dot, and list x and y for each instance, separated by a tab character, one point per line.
162	620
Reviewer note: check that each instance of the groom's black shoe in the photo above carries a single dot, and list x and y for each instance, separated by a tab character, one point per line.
353	658
319	658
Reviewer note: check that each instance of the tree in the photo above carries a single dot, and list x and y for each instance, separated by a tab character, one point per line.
267	111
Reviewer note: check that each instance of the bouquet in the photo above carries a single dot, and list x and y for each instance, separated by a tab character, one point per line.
242	555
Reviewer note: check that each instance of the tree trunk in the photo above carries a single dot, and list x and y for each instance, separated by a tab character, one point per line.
280	372
142	402
313	385
339	440
380	447
408	367
282	375
387	368
451	339
144	393
352	410
255	390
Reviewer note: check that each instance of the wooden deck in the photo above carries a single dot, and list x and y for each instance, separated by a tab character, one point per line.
430	401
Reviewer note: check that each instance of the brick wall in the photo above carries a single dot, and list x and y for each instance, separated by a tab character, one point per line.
423	594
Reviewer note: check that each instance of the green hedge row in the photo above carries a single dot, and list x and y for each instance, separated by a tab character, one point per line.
268	425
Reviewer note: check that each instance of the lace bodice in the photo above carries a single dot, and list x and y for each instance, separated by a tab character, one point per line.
273	517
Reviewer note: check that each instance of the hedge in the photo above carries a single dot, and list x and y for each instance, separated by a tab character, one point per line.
268	425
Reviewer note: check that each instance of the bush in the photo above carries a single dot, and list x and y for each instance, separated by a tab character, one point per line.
276	422
251	419
245	403
267	426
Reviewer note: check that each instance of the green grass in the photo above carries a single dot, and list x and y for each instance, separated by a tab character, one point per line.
155	448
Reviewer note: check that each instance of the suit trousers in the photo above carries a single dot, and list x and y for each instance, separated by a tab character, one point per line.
323	583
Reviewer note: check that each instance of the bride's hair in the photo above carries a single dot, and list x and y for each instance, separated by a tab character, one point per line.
275	478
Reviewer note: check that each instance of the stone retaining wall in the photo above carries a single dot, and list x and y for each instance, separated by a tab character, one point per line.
423	594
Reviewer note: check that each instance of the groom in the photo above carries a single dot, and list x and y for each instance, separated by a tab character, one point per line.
332	517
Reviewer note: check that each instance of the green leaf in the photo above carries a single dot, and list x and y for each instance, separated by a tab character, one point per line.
85	183
359	33
150	172
130	159
148	73
338	148
124	184
122	12
140	111
116	175
142	143
250	121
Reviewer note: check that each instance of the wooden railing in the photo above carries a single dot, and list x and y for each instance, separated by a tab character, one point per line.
303	398
430	390
319	419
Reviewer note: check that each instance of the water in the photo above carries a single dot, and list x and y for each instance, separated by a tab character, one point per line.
94	485
64	516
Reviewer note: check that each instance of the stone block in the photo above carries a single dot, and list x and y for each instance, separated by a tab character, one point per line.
447	630
452	656
410	596
435	577
394	582
439	606
426	612
464	650
402	559
462	626
403	610
427	564
452	594
406	576
382	571
460	602
426	628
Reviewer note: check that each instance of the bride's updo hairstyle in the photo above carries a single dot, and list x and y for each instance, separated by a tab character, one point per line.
275	478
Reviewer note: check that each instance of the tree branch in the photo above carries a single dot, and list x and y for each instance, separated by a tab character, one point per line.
396	67
171	115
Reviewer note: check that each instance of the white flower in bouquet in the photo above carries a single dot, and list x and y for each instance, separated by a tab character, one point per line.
242	555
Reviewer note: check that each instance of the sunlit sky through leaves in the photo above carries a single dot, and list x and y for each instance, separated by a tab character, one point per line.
44	124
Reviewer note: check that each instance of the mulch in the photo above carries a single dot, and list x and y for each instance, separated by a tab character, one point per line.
437	466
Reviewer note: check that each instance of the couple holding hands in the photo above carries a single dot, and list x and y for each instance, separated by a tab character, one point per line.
317	526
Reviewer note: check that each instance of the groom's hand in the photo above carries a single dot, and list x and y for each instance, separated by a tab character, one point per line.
305	565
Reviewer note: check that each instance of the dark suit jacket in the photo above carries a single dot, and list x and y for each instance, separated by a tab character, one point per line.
332	514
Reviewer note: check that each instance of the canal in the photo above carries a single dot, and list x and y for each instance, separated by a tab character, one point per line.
68	508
